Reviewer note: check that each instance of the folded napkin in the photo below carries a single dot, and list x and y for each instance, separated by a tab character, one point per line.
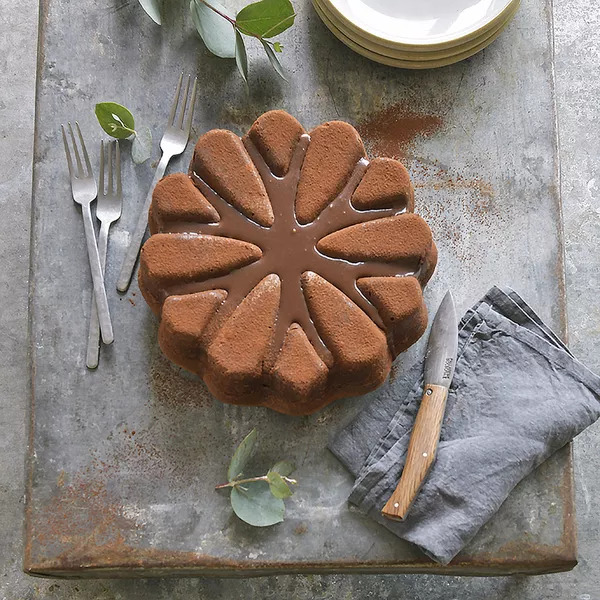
517	396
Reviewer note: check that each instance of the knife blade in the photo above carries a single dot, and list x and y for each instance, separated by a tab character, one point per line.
440	361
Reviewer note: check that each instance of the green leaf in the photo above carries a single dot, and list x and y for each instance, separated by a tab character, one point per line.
283	467
241	58
115	119
277	47
152	8
279	488
255	504
141	148
217	33
266	18
242	455
273	59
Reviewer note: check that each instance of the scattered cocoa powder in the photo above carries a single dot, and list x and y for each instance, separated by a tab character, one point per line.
391	131
173	387
300	529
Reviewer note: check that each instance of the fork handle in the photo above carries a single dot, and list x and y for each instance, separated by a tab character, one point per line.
93	347
140	229
97	277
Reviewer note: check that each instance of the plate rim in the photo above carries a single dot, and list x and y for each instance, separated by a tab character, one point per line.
437	43
418	55
400	63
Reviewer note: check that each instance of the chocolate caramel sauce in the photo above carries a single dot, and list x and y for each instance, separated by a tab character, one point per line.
289	249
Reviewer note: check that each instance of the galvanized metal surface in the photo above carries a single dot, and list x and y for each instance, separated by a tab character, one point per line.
125	486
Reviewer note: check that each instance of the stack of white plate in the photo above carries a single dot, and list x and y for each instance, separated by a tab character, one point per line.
416	34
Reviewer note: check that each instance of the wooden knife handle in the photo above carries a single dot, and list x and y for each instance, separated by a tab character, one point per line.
421	452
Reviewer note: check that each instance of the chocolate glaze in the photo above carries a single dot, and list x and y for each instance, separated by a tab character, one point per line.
289	249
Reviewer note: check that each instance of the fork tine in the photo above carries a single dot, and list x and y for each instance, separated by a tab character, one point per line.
101	175
85	153
175	101
110	167
188	122
118	167
184	102
67	152
77	157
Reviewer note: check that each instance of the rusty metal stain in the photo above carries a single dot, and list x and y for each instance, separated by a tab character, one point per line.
122	560
81	514
95	538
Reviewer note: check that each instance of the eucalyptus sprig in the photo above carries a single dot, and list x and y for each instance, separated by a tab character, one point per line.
118	122
224	34
257	500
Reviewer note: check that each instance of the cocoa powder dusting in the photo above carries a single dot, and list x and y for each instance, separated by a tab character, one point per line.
174	387
391	131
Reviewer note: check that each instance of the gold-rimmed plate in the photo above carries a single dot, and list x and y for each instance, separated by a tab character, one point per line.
424	25
435	62
475	44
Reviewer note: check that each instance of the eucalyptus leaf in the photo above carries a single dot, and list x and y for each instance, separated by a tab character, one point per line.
266	18
255	504
115	119
141	148
273	60
217	33
152	8
283	467
241	57
242	455
279	488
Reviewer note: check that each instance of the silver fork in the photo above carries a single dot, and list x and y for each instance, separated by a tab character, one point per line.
108	210
173	143
83	187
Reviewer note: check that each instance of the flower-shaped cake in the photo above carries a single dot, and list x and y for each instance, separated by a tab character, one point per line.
287	269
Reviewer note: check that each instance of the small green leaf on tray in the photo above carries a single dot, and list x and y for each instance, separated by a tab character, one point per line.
273	59
217	32
283	467
241	456
115	119
141	148
241	58
279	488
277	47
266	18
152	8
254	503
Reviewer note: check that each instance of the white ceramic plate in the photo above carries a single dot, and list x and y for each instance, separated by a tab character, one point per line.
423	23
474	43
403	64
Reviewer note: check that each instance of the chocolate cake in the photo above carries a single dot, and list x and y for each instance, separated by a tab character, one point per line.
287	269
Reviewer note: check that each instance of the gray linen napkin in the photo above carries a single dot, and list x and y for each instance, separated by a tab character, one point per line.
517	396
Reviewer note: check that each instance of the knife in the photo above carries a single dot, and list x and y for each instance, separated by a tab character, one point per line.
440	360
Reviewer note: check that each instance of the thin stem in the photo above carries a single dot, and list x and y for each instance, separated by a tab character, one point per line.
226	17
239	482
250	480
